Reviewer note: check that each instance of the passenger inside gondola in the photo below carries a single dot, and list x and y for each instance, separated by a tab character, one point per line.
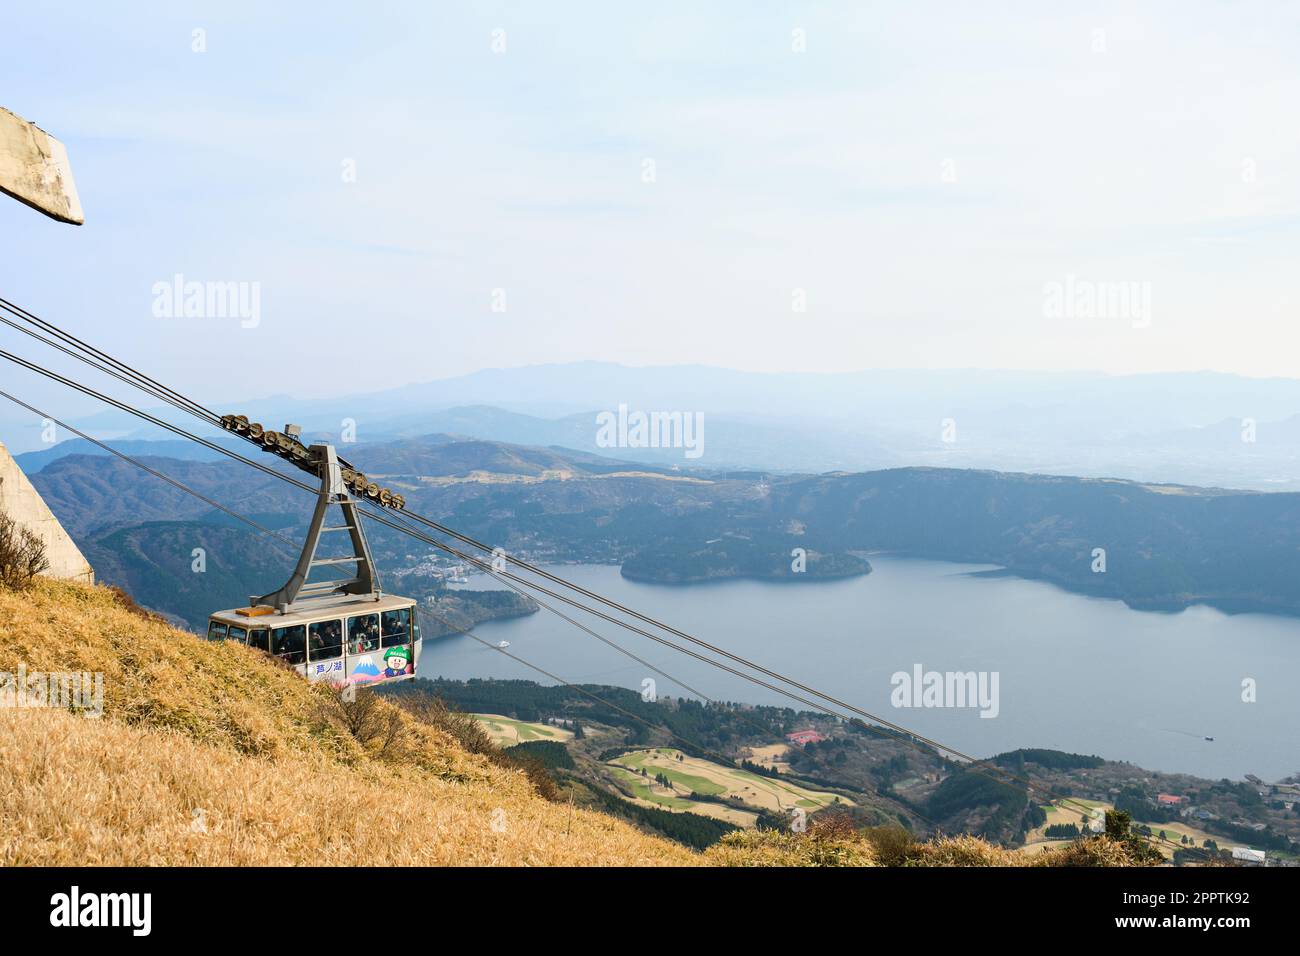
397	627
290	643
325	639
363	634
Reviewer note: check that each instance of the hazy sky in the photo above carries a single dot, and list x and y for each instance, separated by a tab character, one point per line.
923	172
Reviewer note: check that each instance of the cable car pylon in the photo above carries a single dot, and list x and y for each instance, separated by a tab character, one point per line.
365	583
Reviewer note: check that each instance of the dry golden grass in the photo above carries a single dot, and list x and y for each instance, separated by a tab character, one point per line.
192	727
781	848
84	792
961	851
770	848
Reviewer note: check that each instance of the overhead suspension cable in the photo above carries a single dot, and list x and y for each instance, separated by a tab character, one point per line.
382	519
140	379
152	419
144	382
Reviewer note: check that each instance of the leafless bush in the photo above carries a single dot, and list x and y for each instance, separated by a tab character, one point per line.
833	825
894	846
374	723
22	555
466	730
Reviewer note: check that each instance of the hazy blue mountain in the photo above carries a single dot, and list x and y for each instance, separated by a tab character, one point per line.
1160	427
33	461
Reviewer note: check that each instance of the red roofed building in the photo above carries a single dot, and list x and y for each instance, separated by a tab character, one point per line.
1168	799
802	737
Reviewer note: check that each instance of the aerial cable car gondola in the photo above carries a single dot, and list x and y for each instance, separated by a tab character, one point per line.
345	631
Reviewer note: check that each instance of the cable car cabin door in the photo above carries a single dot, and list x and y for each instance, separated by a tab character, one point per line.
325	659
289	645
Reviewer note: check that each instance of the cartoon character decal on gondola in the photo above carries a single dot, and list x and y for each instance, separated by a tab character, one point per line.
397	662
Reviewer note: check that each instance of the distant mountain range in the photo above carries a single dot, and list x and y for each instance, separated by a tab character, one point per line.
33	461
1153	546
1199	428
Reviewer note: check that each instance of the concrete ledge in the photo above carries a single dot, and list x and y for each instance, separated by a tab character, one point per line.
34	169
23	503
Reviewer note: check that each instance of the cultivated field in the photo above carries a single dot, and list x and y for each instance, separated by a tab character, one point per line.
648	793
506	732
694	775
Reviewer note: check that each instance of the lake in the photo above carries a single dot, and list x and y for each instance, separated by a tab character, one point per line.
1074	673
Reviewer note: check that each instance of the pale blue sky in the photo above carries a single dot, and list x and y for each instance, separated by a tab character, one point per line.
776	170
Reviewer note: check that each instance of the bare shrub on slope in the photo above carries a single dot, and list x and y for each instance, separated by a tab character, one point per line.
22	555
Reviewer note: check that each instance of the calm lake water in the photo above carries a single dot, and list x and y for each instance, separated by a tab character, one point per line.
1074	673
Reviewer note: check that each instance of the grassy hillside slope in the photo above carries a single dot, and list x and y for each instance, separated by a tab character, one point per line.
211	754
